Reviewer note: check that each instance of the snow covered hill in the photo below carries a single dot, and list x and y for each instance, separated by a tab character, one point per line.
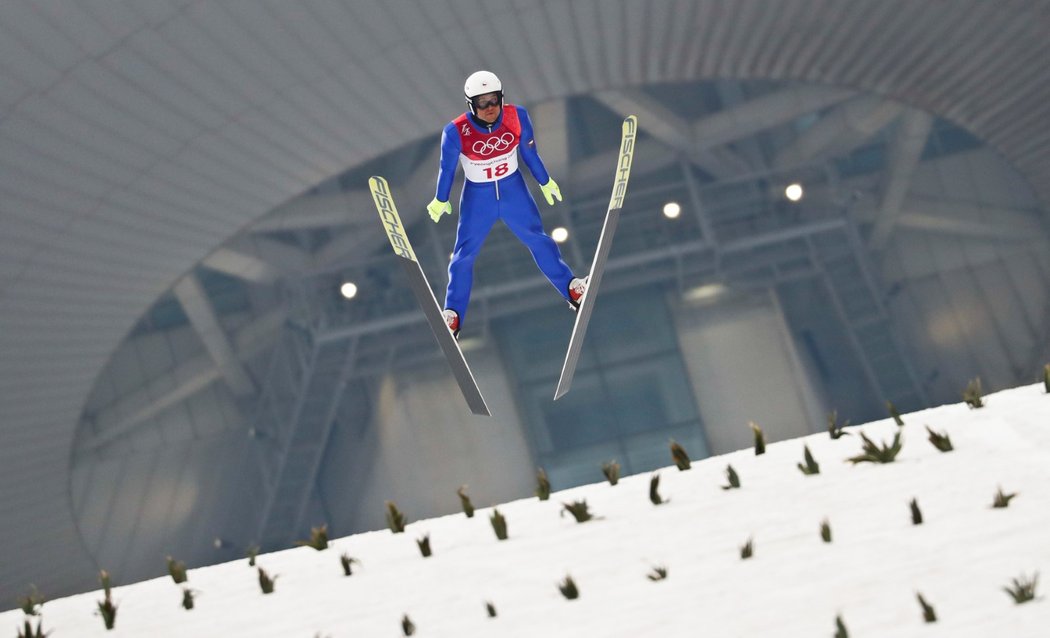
959	558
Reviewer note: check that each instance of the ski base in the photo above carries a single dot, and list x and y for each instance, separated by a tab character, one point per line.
425	296
601	254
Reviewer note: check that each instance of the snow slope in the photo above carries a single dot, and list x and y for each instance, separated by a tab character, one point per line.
960	558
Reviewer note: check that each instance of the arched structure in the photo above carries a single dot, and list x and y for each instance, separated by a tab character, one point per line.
136	137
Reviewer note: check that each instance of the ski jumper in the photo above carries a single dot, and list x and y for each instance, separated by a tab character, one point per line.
494	189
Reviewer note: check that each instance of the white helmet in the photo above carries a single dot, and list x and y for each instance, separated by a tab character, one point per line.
480	83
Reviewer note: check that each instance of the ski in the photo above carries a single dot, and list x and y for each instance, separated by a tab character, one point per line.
601	253
425	296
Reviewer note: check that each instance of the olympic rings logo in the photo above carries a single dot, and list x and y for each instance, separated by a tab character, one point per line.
490	145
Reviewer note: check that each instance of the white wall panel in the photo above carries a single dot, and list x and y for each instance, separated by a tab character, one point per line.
974	297
51	166
175	425
423	444
1012	333
125	98
263	28
117	19
86	159
743	367
100	115
192	92
12	90
142	506
281	141
195	43
181	112
37	34
26	65
316	132
77	25
228	35
37	200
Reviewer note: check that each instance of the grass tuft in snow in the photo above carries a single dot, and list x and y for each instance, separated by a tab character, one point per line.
31	604
611	470
747	550
107	583
253	552
679	456
424	545
464	500
187	598
654	491
1002	500
825	531
395	518
490	609
407	627
892	409
107	608
543	485
878	453
348	562
928	613
840	628
318	538
266	583
578	509
811	466
659	573
29	632
760	438
177	569
733	478
972	394
568	588
916	513
835	429
939	440
1023	589
499	525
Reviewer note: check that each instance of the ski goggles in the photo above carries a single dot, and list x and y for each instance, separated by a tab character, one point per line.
483	102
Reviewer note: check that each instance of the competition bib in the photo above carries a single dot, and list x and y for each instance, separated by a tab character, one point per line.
489	170
487	157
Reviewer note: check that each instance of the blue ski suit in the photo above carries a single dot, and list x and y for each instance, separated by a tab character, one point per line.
493	189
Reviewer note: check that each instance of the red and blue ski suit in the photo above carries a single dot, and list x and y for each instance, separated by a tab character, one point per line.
494	189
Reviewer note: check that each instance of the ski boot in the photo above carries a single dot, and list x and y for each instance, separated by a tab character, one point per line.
452	321
577	289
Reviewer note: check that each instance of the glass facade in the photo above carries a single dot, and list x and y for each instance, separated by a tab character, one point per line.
630	395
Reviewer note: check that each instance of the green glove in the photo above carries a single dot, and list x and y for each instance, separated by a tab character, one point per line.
438	208
550	191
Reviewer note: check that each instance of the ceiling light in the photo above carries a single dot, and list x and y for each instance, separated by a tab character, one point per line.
349	290
672	210
793	191
704	292
560	234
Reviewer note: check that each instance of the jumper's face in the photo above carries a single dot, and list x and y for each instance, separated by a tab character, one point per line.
487	107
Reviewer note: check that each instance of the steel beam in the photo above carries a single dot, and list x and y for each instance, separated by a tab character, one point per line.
840	131
768	111
673	131
202	317
905	150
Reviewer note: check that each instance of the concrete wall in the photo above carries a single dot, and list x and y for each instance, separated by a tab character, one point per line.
422	444
743	366
968	304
